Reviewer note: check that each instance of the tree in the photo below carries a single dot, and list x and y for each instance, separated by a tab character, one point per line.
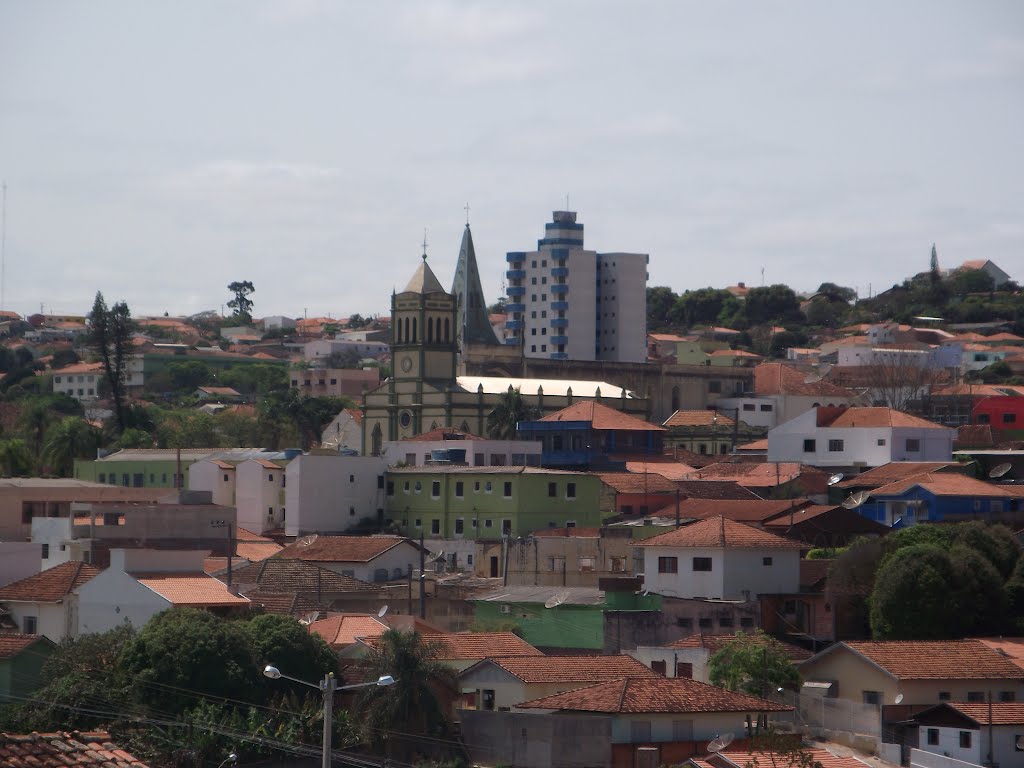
911	598
705	306
110	336
15	457
660	301
771	304
965	281
415	704
280	640
241	303
897	378
35	421
510	409
1014	591
189	376
755	664
69	439
837	292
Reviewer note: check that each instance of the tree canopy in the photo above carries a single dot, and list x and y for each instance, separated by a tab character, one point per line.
510	409
110	337
241	303
753	663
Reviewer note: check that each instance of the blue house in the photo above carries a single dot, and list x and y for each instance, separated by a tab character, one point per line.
588	435
943	497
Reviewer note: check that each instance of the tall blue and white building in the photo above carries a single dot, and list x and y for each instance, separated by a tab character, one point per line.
568	303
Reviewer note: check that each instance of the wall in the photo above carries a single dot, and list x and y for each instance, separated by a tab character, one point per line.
479	453
564	626
672	657
920	758
687	582
20	675
208	475
398	558
745	573
255	496
113	598
508	689
949	744
539	559
19	560
52	619
533	740
705	725
332	493
53	498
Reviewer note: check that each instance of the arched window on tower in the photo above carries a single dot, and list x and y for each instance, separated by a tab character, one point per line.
376	439
430	330
405	336
414	337
447	329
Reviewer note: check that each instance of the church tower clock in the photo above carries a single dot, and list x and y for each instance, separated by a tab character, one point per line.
423	331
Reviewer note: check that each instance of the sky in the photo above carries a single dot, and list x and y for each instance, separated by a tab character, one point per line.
158	151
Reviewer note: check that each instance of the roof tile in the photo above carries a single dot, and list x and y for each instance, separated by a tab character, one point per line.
341	549
719	531
83	749
280	575
52	585
602	417
190	589
937	659
575	669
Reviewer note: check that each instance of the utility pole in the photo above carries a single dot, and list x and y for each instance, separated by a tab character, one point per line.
423	580
226	525
328	686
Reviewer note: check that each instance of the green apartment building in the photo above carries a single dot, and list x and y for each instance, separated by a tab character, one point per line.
459	502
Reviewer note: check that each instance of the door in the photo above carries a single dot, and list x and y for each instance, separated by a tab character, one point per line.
494	566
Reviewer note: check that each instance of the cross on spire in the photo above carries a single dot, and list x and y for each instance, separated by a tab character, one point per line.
466	206
424	243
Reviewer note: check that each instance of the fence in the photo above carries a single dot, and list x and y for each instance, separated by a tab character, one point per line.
816	713
921	759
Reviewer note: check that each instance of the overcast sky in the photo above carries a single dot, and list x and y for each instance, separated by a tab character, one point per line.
159	151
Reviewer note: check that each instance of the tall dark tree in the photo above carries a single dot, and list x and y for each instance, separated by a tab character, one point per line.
507	413
933	267
110	336
242	304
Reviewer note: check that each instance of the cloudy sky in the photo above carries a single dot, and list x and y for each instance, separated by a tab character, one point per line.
158	151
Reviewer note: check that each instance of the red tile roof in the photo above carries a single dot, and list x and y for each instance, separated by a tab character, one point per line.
654	694
935	659
342	549
698	419
1003	713
897	470
634	482
190	589
672	470
871	417
602	417
714	489
715	643
82	749
719	531
821	757
574	669
12	644
345	628
744	510
287	603
1011	647
945	484
278	574
482	645
779	379
766	474
50	586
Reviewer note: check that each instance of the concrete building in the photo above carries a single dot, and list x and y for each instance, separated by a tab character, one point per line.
47	603
334	382
568	303
975	733
80	381
452	446
332	493
345	432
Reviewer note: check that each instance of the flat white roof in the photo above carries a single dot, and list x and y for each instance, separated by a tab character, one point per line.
496	385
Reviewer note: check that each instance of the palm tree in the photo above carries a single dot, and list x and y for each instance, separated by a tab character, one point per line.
510	409
416	704
35	420
69	439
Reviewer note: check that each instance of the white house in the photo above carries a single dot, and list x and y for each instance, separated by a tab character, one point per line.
453	446
853	438
215	475
691	656
330	493
141	583
968	731
47	603
367	558
80	381
720	559
781	393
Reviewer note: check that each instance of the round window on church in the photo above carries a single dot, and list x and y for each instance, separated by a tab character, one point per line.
405	419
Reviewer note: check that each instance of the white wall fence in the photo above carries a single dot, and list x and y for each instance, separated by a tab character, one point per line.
815	715
921	759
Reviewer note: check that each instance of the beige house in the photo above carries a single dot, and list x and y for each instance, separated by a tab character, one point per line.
567	557
913	673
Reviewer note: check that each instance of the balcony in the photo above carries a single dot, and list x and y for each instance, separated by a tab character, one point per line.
560	322
559	355
559	339
560	271
513	256
513	325
515	307
516	290
560	289
516	274
563	305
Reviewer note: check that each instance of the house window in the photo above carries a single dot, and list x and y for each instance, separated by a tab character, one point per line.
975	697
418	523
913	445
29	625
459	524
933	736
488	523
704	623
881	441
748	407
766	408
508	490
1009	418
702	563
435	489
810	446
684	669
270	511
617	564
46	551
459	489
506	527
552	490
766	561
983	418
270	478
945	696
487	487
586	564
556	564
103	477
570	490
725	622
746	622
871	697
835	445
965	739
668	565
391	488
435	526
714	387
418	486
1007	697
660	667
487	699
685	622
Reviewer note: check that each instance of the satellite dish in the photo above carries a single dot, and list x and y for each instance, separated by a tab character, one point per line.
854	500
305	541
836	478
556	600
899	698
1019	743
309	618
720	742
381	612
1001	470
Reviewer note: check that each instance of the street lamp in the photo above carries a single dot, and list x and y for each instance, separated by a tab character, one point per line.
328	686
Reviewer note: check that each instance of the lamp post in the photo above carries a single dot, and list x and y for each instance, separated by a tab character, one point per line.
328	686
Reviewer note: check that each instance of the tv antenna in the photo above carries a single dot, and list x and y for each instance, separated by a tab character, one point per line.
305	541
720	742
854	500
309	618
381	612
556	600
837	477
1000	470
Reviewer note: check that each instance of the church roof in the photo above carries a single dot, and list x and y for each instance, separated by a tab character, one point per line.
424	280
473	321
